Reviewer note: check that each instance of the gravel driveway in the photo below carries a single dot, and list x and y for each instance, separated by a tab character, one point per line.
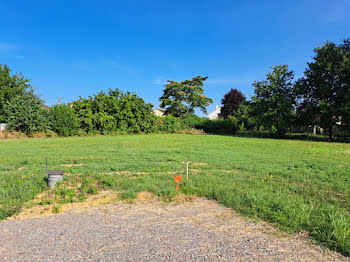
200	230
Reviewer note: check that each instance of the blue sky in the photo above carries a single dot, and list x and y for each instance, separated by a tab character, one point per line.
76	48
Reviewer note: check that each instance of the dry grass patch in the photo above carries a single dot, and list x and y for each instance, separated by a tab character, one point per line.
70	165
102	198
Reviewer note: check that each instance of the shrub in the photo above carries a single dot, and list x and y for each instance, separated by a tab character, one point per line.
63	120
114	112
25	113
192	121
11	85
168	124
221	126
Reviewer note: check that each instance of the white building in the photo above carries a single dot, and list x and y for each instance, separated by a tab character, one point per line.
215	114
2	127
159	112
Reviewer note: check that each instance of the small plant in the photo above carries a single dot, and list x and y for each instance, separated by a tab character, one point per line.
242	127
92	190
44	202
129	194
56	209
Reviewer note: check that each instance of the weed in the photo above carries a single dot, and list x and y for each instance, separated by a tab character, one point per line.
56	209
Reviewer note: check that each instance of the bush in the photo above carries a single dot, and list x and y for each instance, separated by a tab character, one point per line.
11	85
221	126
114	112
192	121
168	124
63	120
25	113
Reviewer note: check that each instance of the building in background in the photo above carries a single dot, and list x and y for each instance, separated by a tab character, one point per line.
215	114
159	112
2	127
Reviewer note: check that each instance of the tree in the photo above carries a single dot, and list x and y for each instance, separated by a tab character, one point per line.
345	79
324	92
231	102
25	113
63	120
10	86
243	115
182	98
274	104
115	111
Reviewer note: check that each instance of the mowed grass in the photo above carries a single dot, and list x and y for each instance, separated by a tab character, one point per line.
297	185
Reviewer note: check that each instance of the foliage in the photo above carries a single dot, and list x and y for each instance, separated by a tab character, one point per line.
243	116
10	86
63	120
273	103
26	113
193	121
226	126
168	124
308	190
171	124
182	98
114	112
230	103
324	92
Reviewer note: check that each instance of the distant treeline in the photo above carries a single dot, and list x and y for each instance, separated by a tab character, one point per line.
281	104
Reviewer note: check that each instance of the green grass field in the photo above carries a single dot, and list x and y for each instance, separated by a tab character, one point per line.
296	185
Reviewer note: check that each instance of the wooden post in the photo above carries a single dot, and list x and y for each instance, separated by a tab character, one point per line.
46	166
187	170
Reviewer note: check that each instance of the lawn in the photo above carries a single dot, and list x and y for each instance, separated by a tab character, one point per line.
296	185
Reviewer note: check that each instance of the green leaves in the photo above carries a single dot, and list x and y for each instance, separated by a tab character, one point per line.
10	86
182	98
324	92
114	112
25	113
63	120
273	103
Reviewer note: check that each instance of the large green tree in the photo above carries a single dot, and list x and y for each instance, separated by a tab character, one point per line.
181	98
345	78
25	113
114	111
11	85
63	120
324	92
273	104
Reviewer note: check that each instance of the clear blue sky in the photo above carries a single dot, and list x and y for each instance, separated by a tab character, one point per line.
76	48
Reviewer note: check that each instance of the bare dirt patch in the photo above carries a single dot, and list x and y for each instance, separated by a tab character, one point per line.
70	165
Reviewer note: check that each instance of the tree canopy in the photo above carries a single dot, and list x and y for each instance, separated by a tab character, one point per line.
11	85
114	111
25	113
273	103
324	92
181	98
231	102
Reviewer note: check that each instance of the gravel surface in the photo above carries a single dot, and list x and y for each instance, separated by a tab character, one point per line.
200	230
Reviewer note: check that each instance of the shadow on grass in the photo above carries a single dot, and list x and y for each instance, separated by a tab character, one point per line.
289	136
